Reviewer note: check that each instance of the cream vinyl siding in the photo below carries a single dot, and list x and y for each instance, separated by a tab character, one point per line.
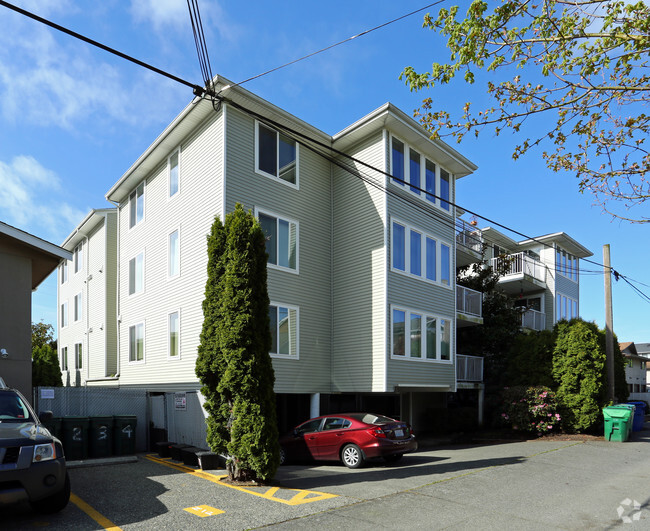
192	211
110	280
310	289
359	257
419	295
94	305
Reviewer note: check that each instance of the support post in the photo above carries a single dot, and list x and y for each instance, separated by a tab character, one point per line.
314	405
609	325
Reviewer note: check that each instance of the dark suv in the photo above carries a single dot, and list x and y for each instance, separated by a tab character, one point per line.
32	464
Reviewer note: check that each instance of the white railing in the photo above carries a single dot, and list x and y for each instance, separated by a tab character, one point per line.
516	264
469	368
533	319
469	236
469	301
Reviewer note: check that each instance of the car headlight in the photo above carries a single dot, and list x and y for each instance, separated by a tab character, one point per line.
44	452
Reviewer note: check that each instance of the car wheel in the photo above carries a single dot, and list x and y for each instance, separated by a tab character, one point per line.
393	458
56	502
352	456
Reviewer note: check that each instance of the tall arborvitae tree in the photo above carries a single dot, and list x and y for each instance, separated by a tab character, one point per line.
234	363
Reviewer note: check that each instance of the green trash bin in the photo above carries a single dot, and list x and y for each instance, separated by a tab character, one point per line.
124	434
618	423
101	436
75	437
55	427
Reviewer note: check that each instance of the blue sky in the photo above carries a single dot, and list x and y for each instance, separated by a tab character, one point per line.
73	118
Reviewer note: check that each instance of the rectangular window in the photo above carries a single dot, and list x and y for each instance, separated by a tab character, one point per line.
78	258
174	172
136	205
284	330
566	264
174	335
445	264
416	253
136	342
399	256
64	272
77	307
429	336
444	189
174	256
397	161
136	274
64	315
431	259
281	241
430	180
414	171
64	358
78	356
565	307
277	155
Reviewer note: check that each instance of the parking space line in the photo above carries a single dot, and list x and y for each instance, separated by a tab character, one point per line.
285	496
95	515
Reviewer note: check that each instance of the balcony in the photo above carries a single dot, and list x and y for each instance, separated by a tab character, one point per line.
469	306
533	320
469	368
469	243
520	273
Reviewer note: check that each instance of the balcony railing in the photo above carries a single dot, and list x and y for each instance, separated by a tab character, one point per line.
520	263
469	301
469	236
469	368
533	319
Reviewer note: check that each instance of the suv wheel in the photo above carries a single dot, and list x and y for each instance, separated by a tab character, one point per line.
56	502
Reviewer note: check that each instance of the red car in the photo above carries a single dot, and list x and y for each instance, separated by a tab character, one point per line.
348	437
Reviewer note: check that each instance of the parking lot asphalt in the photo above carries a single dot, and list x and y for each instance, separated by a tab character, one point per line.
543	484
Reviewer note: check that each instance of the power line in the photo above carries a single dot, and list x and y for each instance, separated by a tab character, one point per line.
199	41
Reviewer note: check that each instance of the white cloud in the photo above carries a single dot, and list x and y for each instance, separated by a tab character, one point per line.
32	199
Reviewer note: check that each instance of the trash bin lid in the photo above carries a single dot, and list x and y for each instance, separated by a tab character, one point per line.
615	412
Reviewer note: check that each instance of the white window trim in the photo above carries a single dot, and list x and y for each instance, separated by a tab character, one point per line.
75	357
169	356
407	177
407	343
423	258
144	344
128	279
64	268
569	299
561	270
277	143
67	316
80	296
169	248
76	259
65	363
144	210
169	175
297	309
295	271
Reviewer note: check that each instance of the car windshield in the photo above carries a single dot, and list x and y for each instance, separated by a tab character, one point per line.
370	418
12	408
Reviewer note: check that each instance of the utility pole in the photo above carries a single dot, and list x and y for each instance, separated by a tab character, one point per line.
609	324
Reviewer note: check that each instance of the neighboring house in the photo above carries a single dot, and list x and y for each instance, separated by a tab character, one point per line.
540	274
361	273
643	349
87	305
635	368
25	261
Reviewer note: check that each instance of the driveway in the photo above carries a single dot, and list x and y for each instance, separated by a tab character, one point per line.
524	485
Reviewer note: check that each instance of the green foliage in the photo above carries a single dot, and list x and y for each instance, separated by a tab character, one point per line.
45	367
584	63
233	361
530	360
43	334
530	409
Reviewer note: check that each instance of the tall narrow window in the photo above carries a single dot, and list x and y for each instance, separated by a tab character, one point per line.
416	253
64	315
136	274
414	171
277	154
281	241
136	205
445	339
64	272
284	330
430	180
432	344
416	335
431	259
399	255
77	307
78	356
174	335
78	258
136	342
445	264
398	161
174	257
399	323
64	358
174	173
444	189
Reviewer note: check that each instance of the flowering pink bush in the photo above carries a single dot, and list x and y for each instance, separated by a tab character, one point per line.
532	409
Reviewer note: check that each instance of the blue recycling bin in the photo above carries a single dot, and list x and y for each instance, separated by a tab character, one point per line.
639	415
